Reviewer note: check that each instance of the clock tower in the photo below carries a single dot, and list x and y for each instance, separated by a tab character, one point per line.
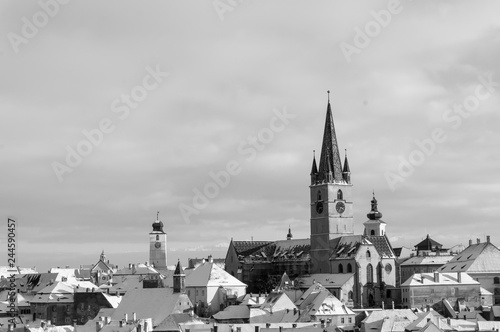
330	198
158	245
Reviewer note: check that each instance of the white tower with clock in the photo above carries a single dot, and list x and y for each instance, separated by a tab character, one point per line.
158	245
331	199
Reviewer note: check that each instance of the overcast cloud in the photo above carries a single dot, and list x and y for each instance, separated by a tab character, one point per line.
226	81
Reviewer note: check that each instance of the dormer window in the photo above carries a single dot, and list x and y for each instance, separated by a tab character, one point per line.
340	195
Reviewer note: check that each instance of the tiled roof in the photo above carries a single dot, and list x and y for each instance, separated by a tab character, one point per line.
296	249
244	248
428	244
481	257
382	245
233	312
422	320
345	246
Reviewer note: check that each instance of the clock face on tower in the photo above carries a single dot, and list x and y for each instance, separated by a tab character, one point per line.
157	244
340	207
319	207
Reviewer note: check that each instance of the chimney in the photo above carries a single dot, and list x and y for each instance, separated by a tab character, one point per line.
478	240
383	305
470	242
268	325
126	318
203	261
107	319
134	316
210	259
294	325
487	239
129	266
11	327
436	277
428	308
98	326
74	323
121	323
139	328
392	305
459	277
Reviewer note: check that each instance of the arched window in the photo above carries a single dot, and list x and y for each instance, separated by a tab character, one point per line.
372	232
341	268
340	195
368	254
349	268
369	274
350	295
157	238
496	280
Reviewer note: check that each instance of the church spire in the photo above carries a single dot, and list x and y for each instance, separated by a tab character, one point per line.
314	169
346	172
289	236
330	157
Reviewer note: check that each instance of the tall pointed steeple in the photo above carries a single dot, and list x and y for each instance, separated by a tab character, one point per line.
314	169
346	172
330	156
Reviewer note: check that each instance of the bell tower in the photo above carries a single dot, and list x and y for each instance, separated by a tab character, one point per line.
330	198
158	245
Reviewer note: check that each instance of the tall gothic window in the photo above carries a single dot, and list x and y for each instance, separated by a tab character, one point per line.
157	238
340	195
368	254
349	268
369	274
341	268
372	232
319	196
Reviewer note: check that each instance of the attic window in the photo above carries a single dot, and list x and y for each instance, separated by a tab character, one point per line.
469	257
463	266
453	267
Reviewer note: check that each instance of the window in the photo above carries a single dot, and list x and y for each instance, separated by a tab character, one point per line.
350	319
341	268
157	238
372	232
349	268
342	320
369	273
496	280
340	195
388	294
368	254
350	295
318	196
388	268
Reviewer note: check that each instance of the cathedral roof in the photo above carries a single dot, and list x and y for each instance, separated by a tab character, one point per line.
282	250
347	246
244	248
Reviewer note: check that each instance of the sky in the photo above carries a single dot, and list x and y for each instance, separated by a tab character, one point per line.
209	112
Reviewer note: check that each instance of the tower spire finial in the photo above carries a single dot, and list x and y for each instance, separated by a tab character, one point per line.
328	91
157	214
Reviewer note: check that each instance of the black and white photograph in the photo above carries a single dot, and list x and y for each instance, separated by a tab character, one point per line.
238	165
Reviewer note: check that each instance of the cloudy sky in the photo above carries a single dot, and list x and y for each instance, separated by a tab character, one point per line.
113	110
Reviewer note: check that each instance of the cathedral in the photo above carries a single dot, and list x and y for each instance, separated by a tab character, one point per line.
359	268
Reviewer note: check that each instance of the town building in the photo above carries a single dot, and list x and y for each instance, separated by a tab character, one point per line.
458	289
482	262
211	289
422	264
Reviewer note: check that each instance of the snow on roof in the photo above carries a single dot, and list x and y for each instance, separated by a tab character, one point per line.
481	257
427	279
211	275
